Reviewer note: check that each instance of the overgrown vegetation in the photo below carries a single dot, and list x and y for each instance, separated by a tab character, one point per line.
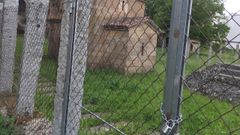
208	19
7	125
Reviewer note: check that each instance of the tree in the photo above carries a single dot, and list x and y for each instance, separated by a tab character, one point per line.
160	12
54	27
207	18
208	21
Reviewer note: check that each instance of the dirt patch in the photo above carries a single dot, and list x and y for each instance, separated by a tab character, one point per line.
8	101
37	126
24	125
212	82
101	129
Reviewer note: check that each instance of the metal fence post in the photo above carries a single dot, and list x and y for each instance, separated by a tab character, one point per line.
179	31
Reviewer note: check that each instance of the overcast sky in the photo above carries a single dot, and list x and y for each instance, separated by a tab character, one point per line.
232	5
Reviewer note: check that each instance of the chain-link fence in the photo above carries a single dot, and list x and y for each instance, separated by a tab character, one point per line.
213	78
135	67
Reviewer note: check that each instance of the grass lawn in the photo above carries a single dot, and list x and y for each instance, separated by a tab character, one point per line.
136	99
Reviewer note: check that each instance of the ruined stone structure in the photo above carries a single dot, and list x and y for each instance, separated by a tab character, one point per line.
122	37
119	33
194	45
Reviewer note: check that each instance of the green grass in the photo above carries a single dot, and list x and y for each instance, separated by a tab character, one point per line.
136	99
7	125
193	63
48	66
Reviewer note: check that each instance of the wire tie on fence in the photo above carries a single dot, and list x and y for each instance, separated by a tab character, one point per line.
98	117
169	123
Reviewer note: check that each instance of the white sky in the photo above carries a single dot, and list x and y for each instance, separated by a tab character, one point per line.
232	5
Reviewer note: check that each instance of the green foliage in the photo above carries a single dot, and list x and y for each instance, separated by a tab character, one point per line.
208	21
6	125
207	18
160	12
44	104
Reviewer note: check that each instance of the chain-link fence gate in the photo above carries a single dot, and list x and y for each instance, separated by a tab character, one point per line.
119	67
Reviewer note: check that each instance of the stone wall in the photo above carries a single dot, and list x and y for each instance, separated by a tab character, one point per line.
141	49
111	9
130	51
109	50
136	8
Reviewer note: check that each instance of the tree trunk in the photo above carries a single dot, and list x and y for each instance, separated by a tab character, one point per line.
53	39
54	27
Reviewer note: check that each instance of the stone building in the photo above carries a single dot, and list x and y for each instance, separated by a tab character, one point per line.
122	37
194	45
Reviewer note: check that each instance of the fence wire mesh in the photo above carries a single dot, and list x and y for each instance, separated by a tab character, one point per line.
100	68
213	76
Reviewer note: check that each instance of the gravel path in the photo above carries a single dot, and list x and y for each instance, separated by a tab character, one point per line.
40	126
210	82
